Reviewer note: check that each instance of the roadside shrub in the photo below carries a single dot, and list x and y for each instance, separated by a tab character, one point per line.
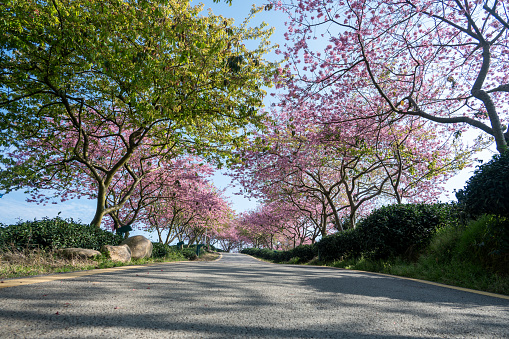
160	250
53	234
486	241
402	230
472	244
215	249
302	252
190	253
267	254
486	191
340	245
251	251
281	256
443	244
294	260
248	251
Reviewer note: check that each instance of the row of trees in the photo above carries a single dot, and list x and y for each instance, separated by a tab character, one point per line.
124	102
375	97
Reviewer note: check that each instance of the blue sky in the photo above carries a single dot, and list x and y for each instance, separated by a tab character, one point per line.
13	206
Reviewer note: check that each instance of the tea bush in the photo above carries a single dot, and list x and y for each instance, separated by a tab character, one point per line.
403	230
486	191
53	234
265	253
160	250
348	243
303	252
189	252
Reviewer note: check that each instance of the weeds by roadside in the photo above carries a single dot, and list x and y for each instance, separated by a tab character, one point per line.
208	256
16	264
473	255
455	273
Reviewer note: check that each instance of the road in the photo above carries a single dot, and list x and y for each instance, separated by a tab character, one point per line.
241	297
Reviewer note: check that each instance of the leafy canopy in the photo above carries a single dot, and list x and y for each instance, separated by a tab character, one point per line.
154	64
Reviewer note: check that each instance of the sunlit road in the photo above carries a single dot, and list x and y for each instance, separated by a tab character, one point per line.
240	297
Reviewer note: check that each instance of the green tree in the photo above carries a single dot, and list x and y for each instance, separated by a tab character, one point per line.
152	75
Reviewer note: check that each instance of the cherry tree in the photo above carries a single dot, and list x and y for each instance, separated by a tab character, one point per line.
190	210
163	183
346	169
214	214
229	239
300	228
265	224
439	60
92	88
276	225
231	235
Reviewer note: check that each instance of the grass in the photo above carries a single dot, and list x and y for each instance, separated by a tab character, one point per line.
475	256
208	256
17	264
35	262
455	272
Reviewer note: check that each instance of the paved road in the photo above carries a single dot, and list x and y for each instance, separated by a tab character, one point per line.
240	297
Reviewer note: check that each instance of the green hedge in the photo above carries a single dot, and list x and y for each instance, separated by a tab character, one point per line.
403	230
264	253
302	252
391	231
160	250
53	234
486	191
341	245
190	253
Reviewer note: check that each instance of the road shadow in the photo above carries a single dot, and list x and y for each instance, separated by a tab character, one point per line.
241	297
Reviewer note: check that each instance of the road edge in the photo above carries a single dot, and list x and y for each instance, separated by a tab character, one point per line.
71	275
458	288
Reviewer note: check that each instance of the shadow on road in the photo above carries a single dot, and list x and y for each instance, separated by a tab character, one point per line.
242	297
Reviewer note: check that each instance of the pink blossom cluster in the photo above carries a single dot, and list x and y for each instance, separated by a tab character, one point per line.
374	97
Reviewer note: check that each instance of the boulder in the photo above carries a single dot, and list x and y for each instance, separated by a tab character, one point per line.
83	253
140	246
117	253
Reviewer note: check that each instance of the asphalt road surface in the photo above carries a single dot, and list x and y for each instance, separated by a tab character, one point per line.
241	297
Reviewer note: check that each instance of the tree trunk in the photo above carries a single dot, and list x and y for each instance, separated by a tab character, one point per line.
99	211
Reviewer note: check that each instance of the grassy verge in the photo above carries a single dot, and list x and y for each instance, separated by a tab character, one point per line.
36	262
208	256
455	273
460	273
474	255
